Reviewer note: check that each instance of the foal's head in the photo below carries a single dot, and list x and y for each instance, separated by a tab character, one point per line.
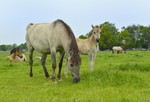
96	32
16	52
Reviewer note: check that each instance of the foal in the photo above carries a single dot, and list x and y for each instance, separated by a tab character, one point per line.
89	46
16	55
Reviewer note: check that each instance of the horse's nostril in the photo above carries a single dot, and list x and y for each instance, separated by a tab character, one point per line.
97	40
21	56
76	80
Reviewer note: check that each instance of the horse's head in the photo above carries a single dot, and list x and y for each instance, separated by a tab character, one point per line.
96	32
16	52
73	64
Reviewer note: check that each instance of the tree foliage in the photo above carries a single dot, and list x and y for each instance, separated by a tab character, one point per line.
10	47
109	35
133	36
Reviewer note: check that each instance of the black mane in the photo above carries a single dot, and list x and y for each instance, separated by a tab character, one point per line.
73	45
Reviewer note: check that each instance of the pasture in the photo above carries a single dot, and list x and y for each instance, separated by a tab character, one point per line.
115	78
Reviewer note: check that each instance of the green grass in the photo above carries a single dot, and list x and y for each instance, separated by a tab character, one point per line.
116	78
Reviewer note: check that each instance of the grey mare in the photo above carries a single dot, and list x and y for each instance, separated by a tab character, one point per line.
49	38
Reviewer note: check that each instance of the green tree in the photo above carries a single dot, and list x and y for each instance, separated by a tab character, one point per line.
109	34
22	46
82	37
135	32
124	39
145	33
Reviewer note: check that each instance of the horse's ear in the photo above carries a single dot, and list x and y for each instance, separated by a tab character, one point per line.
101	27
92	26
70	53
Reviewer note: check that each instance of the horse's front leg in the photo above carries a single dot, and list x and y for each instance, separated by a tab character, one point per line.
60	65
93	58
90	60
66	70
43	61
53	57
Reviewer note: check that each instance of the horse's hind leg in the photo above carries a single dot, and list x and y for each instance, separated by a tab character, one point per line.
43	61
31	61
60	65
53	57
118	52
112	51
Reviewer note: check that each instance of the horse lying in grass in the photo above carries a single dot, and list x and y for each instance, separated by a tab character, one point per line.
16	55
49	38
89	46
118	49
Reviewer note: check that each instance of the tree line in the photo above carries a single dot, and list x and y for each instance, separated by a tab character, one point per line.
10	47
133	36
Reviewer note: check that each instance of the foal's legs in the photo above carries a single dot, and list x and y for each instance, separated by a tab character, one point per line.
91	61
93	58
53	57
43	61
60	65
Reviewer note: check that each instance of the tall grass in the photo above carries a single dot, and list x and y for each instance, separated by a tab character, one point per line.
116	78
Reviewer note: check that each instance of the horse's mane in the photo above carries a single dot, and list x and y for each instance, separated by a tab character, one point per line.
123	48
73	45
29	26
14	50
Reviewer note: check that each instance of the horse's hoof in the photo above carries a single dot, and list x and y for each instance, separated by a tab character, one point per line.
66	76
48	77
31	75
59	79
55	82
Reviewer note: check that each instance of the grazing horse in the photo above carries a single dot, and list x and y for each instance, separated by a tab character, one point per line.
16	55
89	46
119	49
49	38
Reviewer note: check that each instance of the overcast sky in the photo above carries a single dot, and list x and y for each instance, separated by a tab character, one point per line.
15	15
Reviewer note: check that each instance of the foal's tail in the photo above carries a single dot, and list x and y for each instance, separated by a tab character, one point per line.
28	26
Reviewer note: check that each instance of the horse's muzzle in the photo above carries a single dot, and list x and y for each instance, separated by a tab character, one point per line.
20	56
98	40
75	80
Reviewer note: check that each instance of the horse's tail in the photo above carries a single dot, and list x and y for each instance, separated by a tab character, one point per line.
28	26
112	50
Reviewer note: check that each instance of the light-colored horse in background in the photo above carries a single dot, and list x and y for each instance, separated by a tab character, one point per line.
49	38
89	46
16	55
118	49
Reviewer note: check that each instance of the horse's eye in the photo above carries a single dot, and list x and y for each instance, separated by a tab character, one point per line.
71	65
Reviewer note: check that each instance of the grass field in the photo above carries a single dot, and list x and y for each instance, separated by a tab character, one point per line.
116	78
